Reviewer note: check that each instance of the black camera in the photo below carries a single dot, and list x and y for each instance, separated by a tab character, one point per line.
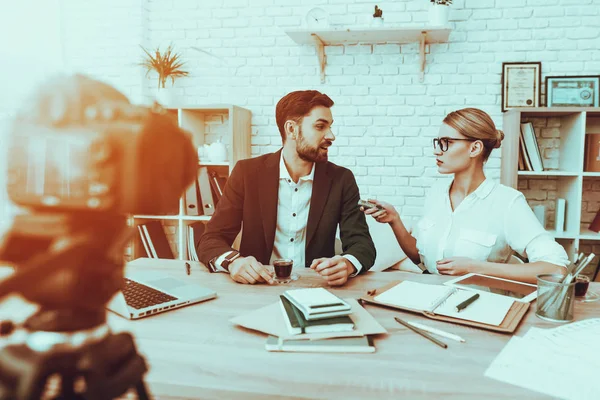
81	158
118	158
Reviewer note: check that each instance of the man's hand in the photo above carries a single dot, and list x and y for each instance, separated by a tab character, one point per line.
455	266
249	270
335	270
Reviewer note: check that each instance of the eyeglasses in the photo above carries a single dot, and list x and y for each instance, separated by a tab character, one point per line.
442	143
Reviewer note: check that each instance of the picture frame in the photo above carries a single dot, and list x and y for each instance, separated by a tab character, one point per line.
573	91
521	84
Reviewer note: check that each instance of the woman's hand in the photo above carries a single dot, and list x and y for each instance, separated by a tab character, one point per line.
386	214
455	266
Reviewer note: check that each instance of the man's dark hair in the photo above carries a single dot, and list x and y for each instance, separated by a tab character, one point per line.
297	105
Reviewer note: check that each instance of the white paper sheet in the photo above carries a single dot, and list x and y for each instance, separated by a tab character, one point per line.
558	362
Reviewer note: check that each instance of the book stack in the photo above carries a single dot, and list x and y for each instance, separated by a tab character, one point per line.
301	320
314	320
530	158
155	241
195	232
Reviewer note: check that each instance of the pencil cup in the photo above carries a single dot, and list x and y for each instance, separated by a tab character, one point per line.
555	300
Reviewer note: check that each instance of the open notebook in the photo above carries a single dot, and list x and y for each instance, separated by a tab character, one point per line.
489	309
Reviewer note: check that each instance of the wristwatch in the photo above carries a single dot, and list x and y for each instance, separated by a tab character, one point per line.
229	259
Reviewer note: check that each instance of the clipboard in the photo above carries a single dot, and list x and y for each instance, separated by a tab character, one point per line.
514	316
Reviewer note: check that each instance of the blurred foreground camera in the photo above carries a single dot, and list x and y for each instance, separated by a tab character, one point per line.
80	159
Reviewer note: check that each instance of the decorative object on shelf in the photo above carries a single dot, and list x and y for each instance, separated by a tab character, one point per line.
595	225
377	17
317	18
521	84
438	12
540	213
592	152
559	219
167	65
216	152
572	91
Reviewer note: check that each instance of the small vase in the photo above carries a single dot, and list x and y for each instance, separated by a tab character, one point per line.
377	21
438	14
166	96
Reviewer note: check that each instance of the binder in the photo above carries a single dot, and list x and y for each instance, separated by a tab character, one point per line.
144	243
191	200
157	240
509	324
208	203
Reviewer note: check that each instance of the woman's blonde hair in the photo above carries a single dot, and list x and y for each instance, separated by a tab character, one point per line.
476	124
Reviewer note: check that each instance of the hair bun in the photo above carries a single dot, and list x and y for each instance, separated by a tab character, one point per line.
499	138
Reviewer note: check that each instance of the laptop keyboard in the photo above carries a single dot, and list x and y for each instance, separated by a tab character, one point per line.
141	296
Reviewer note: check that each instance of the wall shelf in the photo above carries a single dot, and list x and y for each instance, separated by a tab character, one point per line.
402	35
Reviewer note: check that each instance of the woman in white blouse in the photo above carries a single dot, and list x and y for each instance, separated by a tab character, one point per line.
473	224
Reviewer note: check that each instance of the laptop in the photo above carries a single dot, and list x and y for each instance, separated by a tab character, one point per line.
147	293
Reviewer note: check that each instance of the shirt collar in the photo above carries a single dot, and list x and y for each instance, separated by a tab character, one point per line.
484	189
284	174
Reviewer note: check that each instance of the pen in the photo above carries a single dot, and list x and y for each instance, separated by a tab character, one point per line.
188	268
422	333
467	302
437	332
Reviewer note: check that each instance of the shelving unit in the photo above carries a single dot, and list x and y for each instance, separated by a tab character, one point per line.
207	124
561	134
417	34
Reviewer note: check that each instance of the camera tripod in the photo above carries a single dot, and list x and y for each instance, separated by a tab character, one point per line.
107	364
71	278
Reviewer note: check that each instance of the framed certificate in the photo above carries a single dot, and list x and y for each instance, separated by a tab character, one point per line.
521	84
574	91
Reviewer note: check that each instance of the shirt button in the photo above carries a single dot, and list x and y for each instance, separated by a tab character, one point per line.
292	239
294	214
295	190
289	181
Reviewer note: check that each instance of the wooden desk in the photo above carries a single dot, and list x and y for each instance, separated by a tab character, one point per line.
195	352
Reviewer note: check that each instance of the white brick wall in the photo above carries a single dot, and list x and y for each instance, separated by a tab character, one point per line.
384	117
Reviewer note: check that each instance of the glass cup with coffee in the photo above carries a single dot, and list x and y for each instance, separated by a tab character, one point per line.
582	284
283	270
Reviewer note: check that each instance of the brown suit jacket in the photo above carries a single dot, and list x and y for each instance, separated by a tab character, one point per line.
250	201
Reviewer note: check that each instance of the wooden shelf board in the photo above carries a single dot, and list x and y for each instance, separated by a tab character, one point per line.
200	107
435	34
213	164
552	111
587	234
171	217
563	235
195	217
547	173
175	217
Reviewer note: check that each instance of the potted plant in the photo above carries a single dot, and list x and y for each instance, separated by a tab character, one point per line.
438	12
377	17
166	65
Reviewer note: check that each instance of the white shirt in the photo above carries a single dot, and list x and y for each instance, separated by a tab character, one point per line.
487	225
293	206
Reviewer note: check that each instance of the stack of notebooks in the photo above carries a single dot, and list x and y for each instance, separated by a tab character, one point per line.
314	320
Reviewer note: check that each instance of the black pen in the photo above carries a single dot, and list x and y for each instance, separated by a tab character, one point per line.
188	268
467	302
422	333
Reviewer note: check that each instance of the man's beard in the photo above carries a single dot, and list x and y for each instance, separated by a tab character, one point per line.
308	153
